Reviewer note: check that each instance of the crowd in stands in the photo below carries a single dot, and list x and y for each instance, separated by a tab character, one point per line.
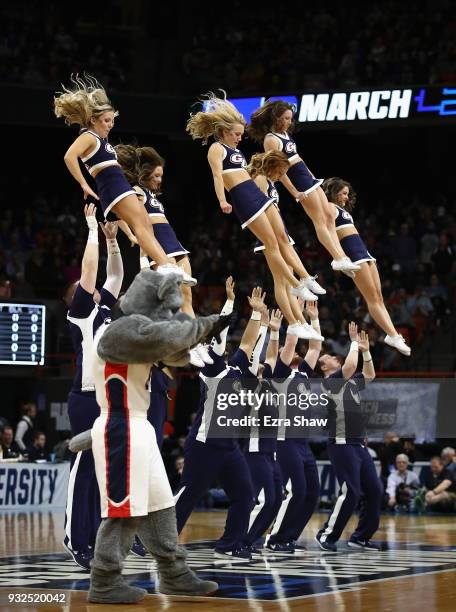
43	43
321	46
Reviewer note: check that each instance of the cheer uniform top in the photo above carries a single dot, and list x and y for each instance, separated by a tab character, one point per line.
298	173
247	199
111	184
353	245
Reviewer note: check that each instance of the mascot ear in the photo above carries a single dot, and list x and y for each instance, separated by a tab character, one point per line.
167	283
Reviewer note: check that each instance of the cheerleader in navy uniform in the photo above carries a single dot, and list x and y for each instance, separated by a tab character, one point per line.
87	311
88	105
261	449
208	457
342	199
349	456
296	460
143	167
265	169
271	126
255	210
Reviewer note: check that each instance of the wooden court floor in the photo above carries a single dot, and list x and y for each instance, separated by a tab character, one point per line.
417	573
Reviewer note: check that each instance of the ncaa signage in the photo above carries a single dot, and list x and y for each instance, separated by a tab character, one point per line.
367	105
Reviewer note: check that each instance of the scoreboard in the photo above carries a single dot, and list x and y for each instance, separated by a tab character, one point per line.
22	328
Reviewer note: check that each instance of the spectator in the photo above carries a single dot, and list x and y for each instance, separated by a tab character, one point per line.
37	451
443	257
24	430
439	493
8	448
402	484
175	477
448	456
61	450
388	452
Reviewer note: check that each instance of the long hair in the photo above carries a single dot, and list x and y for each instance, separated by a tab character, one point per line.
333	185
85	100
220	115
265	118
138	163
267	163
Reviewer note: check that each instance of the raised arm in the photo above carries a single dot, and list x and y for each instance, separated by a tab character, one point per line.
80	148
114	264
215	159
289	349
89	266
368	364
219	346
255	359
250	335
314	350
273	345
351	361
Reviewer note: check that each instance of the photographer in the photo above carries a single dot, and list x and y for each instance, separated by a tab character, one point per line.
402	484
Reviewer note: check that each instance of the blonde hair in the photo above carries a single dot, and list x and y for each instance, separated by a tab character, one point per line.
267	163
220	115
86	100
138	163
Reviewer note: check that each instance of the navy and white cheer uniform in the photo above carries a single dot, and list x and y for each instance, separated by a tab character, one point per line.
351	460
163	232
261	455
247	199
83	502
297	463
274	195
352	245
158	407
111	183
209	458
298	173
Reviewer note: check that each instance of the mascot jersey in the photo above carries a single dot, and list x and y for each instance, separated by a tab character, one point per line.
130	471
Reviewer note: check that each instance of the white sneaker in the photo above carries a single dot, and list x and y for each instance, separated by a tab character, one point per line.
203	354
343	265
313	286
195	359
304	331
188	280
170	268
399	344
304	293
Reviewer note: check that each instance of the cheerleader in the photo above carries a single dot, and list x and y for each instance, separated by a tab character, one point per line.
88	106
143	167
254	209
265	169
271	125
342	199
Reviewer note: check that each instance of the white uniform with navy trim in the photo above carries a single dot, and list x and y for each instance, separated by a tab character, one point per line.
129	467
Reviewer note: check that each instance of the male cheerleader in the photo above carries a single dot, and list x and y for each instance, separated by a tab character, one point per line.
351	461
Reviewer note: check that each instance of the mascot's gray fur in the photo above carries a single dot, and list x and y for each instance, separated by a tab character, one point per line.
147	328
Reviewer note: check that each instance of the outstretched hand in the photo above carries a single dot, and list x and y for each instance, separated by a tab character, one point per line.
256	300
229	288
275	321
363	341
312	310
109	229
353	331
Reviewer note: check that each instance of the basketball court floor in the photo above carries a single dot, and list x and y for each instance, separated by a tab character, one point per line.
415	571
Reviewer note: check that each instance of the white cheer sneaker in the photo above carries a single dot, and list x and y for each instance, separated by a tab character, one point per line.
399	344
344	265
304	331
304	293
313	286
